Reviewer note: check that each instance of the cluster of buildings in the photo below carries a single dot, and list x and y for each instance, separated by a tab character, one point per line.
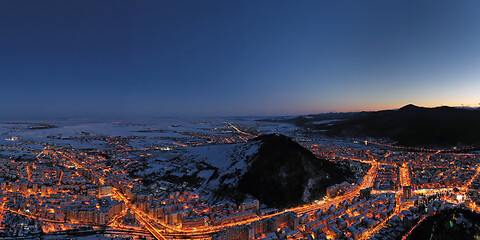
188	210
18	226
54	190
223	134
399	224
387	178
350	219
206	138
341	152
440	177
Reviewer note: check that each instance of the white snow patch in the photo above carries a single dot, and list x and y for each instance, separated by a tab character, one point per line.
327	121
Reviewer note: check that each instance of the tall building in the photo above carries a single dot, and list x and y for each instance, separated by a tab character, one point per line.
407	192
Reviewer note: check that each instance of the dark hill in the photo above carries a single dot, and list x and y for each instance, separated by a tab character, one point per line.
449	224
283	173
416	126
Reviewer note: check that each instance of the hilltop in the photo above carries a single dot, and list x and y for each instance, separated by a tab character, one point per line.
283	173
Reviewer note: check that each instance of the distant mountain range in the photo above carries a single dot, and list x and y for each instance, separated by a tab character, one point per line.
409	126
416	126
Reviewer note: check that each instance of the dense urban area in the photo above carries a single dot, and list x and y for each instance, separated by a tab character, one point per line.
157	180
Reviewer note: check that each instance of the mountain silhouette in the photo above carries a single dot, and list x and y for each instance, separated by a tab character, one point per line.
283	173
415	126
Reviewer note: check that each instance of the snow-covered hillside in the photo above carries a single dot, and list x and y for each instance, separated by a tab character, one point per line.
229	161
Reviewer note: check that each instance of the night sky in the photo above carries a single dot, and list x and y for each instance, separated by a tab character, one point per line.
109	59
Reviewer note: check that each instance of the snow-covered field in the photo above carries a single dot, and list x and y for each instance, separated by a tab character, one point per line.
83	134
212	151
327	121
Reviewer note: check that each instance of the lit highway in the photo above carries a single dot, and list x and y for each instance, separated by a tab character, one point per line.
238	130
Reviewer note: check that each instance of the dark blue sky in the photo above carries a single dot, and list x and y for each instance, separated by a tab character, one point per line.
220	58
